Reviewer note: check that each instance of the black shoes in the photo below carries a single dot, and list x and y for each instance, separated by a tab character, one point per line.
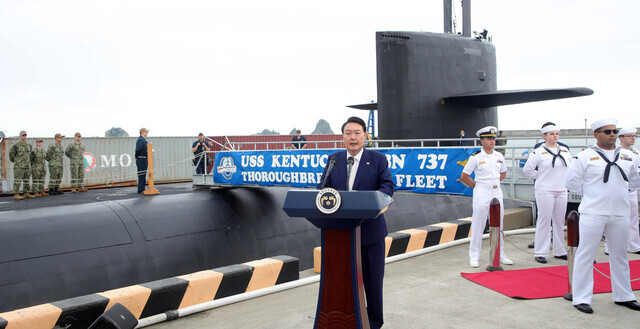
632	305
585	308
561	257
606	253
541	260
532	245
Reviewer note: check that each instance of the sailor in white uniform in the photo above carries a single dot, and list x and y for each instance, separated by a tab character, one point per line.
490	168
627	137
548	165
603	174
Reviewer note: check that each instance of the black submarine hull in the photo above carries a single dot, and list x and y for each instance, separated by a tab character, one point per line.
54	253
59	252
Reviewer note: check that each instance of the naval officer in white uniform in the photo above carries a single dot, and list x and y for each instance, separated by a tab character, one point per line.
548	165
627	137
603	174
490	169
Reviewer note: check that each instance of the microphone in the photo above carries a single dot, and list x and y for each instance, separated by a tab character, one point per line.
332	163
349	166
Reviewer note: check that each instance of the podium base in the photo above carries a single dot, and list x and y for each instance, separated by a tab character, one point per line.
150	191
494	268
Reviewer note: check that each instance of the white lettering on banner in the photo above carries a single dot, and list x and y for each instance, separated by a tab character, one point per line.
432	162
110	161
281	177
106	161
252	160
125	156
395	161
421	181
294	160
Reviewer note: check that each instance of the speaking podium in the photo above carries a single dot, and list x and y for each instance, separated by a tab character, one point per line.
341	302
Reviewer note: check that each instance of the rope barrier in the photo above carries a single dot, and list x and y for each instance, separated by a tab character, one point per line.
532	253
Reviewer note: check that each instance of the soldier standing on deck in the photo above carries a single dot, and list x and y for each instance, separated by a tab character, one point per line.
38	169
490	170
55	155
141	158
75	152
20	156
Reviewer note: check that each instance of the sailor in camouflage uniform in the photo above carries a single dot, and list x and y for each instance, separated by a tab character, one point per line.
38	169
75	152
55	155
20	156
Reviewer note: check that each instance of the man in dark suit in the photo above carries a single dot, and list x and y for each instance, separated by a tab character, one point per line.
369	172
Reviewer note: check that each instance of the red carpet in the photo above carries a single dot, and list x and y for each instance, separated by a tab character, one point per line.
544	282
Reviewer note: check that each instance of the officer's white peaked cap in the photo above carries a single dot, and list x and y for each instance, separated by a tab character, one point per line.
604	122
488	131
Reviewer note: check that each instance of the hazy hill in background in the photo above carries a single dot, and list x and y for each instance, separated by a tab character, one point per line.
322	128
116	132
268	132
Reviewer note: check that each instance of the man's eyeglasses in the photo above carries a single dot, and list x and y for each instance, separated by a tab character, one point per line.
630	136
609	131
23	135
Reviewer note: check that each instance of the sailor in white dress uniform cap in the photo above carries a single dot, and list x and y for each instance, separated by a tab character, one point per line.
490	168
627	137
548	165
603	175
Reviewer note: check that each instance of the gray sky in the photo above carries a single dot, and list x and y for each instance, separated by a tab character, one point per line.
237	67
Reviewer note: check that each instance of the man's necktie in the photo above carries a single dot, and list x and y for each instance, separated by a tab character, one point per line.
349	166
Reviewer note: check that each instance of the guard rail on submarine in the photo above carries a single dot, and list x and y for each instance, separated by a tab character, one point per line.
516	185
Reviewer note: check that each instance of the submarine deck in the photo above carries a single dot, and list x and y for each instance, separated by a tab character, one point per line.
7	203
428	291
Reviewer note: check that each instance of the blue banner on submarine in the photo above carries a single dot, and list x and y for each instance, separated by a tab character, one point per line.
421	170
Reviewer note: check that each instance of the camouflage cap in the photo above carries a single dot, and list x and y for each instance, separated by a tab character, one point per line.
23	132
58	135
78	135
39	140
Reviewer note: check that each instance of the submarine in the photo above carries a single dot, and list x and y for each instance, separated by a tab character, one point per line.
429	84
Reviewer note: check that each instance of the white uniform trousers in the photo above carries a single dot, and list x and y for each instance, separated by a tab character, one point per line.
552	206
482	196
616	230
634	235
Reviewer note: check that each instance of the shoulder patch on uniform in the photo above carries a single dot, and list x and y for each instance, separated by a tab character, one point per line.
476	152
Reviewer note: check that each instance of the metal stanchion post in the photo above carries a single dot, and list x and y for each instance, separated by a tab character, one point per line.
494	236
573	239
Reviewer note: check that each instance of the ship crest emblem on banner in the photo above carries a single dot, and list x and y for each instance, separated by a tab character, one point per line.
226	167
328	201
